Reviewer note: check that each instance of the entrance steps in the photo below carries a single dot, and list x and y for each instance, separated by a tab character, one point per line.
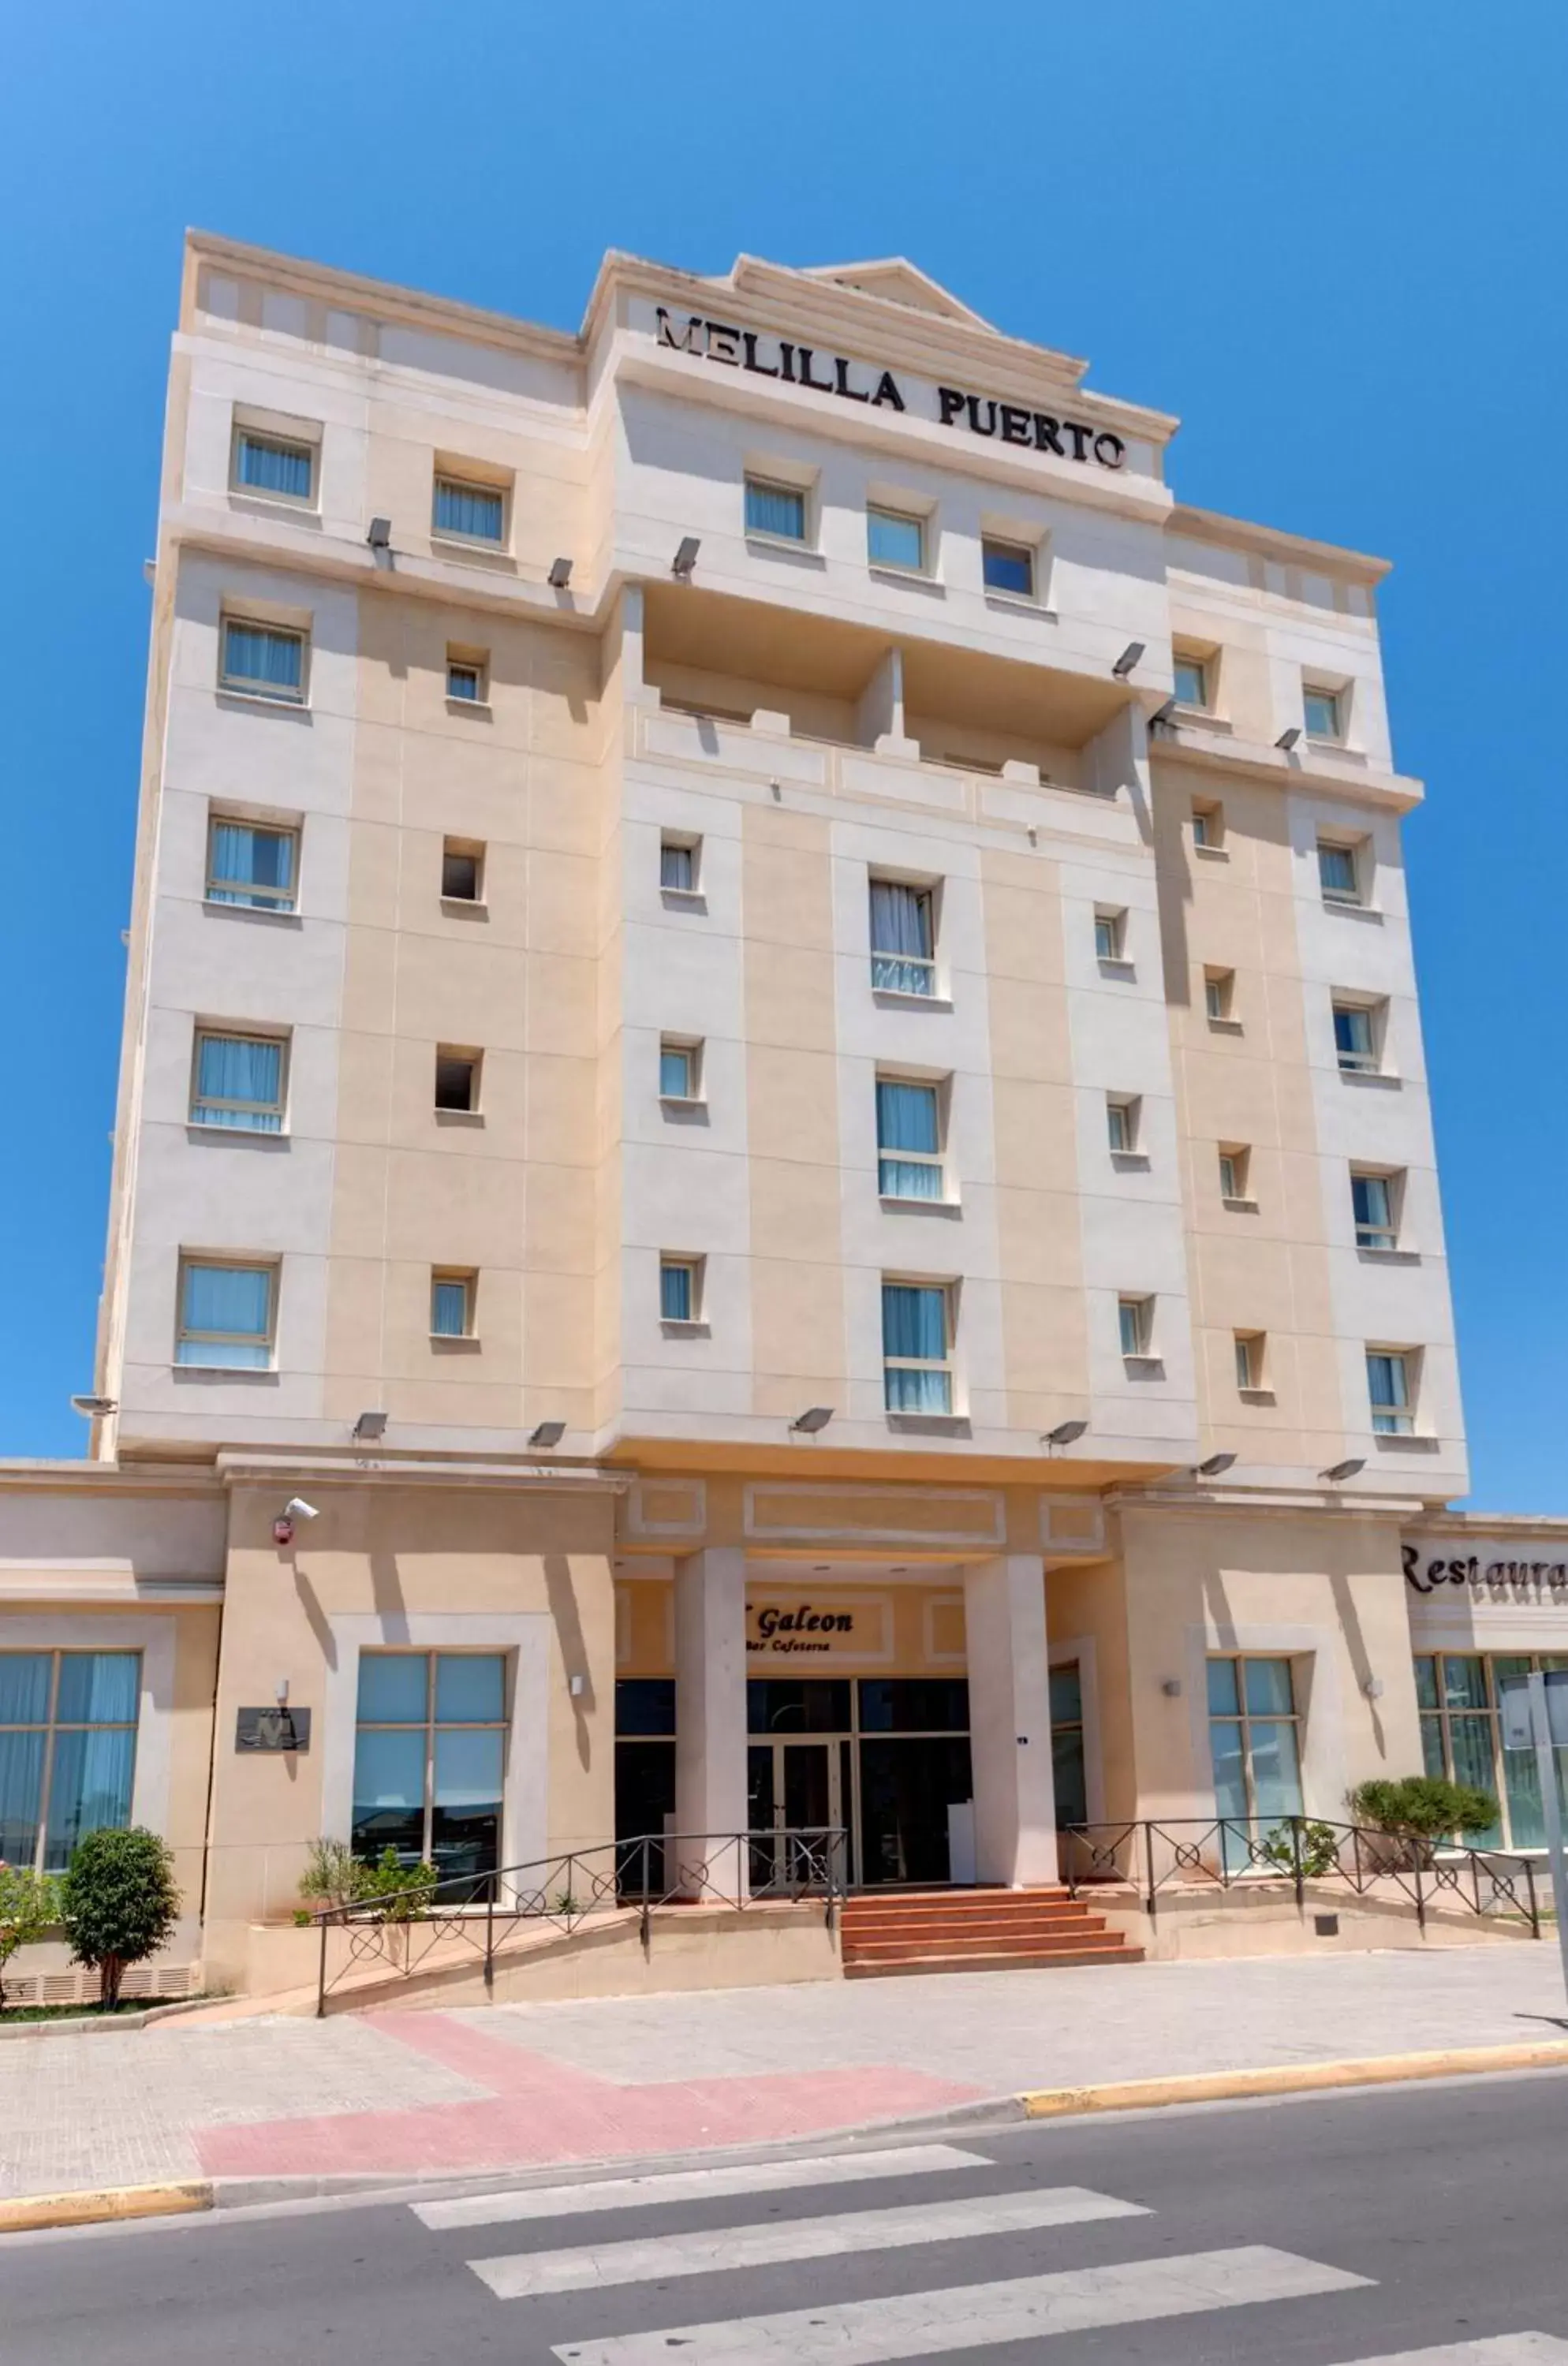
889	1931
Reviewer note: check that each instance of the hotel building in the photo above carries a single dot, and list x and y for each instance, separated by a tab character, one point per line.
773	1162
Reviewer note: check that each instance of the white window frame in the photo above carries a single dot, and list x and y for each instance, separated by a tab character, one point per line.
942	1364
1397	1419
1376	1237
1251	1362
677	841
679	1261
1219	996
250	431
1123	1113
690	1048
1135	1329
246	685
925	892
893	515
202	1261
759	480
455	480
1208	820
1337	696
1202	668
206	1032
936	1160
269	899
1236	1173
1358	1063
451	1277
1112	920
473	661
1353	896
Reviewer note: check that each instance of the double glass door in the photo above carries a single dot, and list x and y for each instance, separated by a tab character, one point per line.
795	1791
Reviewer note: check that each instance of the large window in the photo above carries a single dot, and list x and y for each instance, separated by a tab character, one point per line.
1254	1738
238	1082
917	1338
1458	1695
429	1758
67	1750
263	660
903	938
249	863
226	1314
908	1140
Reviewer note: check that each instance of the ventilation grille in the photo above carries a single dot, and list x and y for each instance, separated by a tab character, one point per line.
162	1982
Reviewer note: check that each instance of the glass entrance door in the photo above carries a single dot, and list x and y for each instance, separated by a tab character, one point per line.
793	1786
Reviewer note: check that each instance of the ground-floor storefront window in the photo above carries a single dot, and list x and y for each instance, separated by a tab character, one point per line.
67	1750
1458	1695
1254	1739
1069	1779
429	1760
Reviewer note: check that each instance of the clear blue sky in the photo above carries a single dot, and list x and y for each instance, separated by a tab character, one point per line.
1331	237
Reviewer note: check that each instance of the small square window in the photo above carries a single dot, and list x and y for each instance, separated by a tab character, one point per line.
909	1139
1390	1388
1136	1319
1208	826
1122	1112
679	1289
468	677
1336	873
462	871
273	466
237	1082
903	938
1323	712
1356	1039
457	1079
1249	1348
263	660
1219	995
1374	1203
250	863
1236	1163
1008	567
895	540
679	865
776	510
1191	681
680	1068
452	1305
469	512
226	1313
1110	935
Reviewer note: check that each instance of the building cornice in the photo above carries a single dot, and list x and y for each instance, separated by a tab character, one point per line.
1272	542
1262	1502
50	1478
1491	1523
240	1467
1191	746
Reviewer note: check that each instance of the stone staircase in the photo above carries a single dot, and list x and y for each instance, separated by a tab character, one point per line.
887	1931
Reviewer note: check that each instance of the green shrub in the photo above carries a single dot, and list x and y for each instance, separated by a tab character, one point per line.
1319	1845
403	1892
119	1903
1422	1808
333	1873
29	1907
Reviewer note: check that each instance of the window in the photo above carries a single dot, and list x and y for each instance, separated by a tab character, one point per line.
1136	1319
238	1082
226	1314
452	1305
908	1140
1458	1694
67	1750
1336	873
1067	1774
1110	935
1255	1741
263	660
469	512
457	1079
249	863
917	1336
1250	1347
1008	567
1191	681
468	677
1219	995
903	938
1322	710
273	465
1236	1168
1391	1387
680	1068
430	1759
462	871
679	865
895	541
1355	1039
1373	1201
1208	826
777	511
1121	1113
679	1289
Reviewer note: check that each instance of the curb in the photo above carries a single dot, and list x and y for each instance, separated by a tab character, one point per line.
92	2207
1289	2079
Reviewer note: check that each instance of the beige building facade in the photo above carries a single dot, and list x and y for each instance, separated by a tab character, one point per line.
773	1165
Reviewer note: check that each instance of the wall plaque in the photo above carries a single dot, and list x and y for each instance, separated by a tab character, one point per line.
272	1728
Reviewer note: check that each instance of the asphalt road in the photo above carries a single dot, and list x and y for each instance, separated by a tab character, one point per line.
1426	2224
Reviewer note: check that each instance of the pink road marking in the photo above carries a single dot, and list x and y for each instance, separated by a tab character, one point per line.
539	2112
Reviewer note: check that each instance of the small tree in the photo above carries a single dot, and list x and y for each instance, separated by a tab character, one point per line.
119	1903
1421	1809
332	1874
30	1908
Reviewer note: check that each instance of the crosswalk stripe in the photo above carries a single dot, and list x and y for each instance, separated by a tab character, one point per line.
1495	2350
695	2185
657	2257
977	2316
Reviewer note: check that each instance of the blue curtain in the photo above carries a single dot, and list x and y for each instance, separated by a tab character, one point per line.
469	509
268	467
773	509
676	1293
675	867
907	1119
261	858
234	1069
1368	1195
89	1787
1353	1033
900	937
449	1310
914	1322
894	541
21	1787
254	654
99	1687
24	1689
226	1297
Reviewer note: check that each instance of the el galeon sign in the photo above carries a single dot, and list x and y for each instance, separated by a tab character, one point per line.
778	357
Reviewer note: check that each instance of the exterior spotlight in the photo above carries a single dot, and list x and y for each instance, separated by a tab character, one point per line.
297	1508
685	557
370	1426
1287	740
1164	717
1214	1465
814	1418
95	1408
1127	660
1064	1433
380	535
561	573
546	1434
1337	1470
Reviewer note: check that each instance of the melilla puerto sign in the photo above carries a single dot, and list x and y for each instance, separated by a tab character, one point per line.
850	381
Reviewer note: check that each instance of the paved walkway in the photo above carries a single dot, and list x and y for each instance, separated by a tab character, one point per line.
530	2085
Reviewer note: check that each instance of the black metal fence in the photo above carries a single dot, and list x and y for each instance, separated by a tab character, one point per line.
477	1912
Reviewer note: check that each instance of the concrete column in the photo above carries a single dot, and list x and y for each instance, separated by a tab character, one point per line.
1010	1719
710	1704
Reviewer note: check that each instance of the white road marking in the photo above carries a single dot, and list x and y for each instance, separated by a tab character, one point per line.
695	2185
977	2316
1499	2349
848	2232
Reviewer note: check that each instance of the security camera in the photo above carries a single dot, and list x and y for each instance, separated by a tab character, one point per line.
297	1508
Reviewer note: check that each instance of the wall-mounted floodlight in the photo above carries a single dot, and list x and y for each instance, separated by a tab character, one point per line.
1337	1470
1164	717
547	1434
1127	660
1287	740
560	574
297	1508
1214	1465
95	1408
380	535
370	1427
1066	1433
814	1418
685	557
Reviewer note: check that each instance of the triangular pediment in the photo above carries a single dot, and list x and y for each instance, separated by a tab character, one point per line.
897	281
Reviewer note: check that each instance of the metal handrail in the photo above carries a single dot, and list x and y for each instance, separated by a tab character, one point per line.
651	1869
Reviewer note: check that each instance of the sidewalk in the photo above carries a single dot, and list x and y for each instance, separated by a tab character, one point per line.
531	2086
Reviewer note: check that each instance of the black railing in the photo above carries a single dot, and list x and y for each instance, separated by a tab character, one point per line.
1152	1855
479	1911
